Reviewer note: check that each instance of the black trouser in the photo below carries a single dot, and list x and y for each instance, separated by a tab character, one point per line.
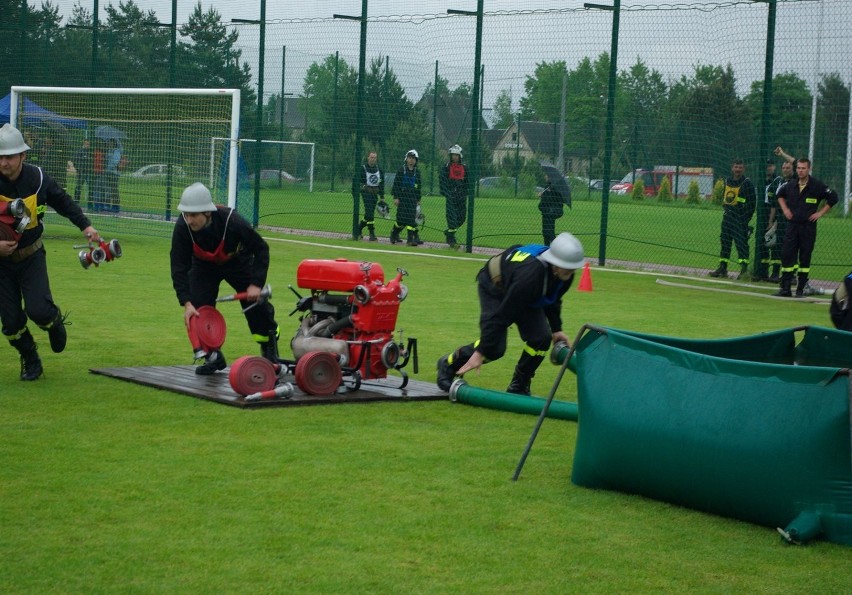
204	281
734	229
25	280
780	232
531	322
455	210
370	201
548	227
761	263
799	241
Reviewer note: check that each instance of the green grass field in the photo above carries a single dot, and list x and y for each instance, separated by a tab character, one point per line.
106	486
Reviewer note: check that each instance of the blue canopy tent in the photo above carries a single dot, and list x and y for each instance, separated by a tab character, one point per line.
34	114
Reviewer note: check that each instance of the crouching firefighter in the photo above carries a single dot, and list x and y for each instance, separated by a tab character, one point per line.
524	286
212	244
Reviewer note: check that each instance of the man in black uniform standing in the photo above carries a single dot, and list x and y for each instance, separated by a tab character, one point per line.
524	286
212	244
739	202
370	182
770	185
799	201
406	196
23	263
454	187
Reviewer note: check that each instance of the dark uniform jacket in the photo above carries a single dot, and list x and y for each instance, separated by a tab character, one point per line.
407	185
40	191
359	182
805	203
453	180
526	283
247	249
740	196
551	203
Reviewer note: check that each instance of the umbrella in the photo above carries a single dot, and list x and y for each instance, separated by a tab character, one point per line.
557	181
107	133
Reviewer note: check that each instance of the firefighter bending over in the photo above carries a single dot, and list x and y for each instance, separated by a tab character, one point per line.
524	286
212	244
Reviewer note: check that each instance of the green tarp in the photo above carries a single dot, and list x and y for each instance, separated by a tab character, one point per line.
755	428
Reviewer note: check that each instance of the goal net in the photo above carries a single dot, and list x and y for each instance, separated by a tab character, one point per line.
126	155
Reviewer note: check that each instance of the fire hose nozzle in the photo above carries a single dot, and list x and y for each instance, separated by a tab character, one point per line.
284	390
16	208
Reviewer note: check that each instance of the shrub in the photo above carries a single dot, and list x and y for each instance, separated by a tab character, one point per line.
693	193
719	192
665	192
638	190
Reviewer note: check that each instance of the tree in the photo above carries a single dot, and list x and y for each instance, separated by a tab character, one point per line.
638	190
791	109
641	99
664	194
502	110
832	118
693	193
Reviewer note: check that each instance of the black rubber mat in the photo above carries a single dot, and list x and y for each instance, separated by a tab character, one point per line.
183	380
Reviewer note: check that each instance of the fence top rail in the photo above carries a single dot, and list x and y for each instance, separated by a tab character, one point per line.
122	90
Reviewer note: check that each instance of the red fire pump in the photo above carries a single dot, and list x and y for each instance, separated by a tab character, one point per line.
347	325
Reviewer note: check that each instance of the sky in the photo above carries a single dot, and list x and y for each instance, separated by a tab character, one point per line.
811	37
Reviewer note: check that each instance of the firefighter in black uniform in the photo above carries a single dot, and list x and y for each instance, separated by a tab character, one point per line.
739	202
777	226
23	263
454	187
524	286
406	196
212	244
799	201
770	185
370	182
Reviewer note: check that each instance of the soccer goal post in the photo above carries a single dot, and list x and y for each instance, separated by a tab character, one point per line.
285	163
126	151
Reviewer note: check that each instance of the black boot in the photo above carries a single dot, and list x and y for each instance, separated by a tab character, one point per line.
722	271
214	362
57	334
30	362
743	271
451	239
520	384
372	229
394	236
417	239
776	274
786	283
524	372
450	364
361	229
801	285
269	349
412	238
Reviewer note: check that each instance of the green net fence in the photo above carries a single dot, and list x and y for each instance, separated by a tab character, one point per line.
697	85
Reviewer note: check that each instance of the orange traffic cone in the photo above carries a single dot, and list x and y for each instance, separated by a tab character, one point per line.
586	279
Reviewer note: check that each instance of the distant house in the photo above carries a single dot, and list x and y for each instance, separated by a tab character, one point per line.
537	140
452	120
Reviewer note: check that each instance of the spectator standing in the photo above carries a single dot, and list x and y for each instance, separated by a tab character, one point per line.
799	201
777	226
112	175
739	201
454	187
370	182
406	196
771	183
83	165
24	283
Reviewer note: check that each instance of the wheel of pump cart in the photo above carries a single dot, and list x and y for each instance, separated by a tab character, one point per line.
252	374
209	327
318	373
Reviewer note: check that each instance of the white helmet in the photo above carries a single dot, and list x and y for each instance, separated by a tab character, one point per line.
456	150
565	251
196	199
413	153
12	141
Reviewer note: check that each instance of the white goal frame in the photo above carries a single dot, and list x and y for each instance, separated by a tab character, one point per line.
235	114
266	141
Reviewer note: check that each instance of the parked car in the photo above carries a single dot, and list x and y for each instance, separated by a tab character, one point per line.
158	171
502	186
599	184
275	174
